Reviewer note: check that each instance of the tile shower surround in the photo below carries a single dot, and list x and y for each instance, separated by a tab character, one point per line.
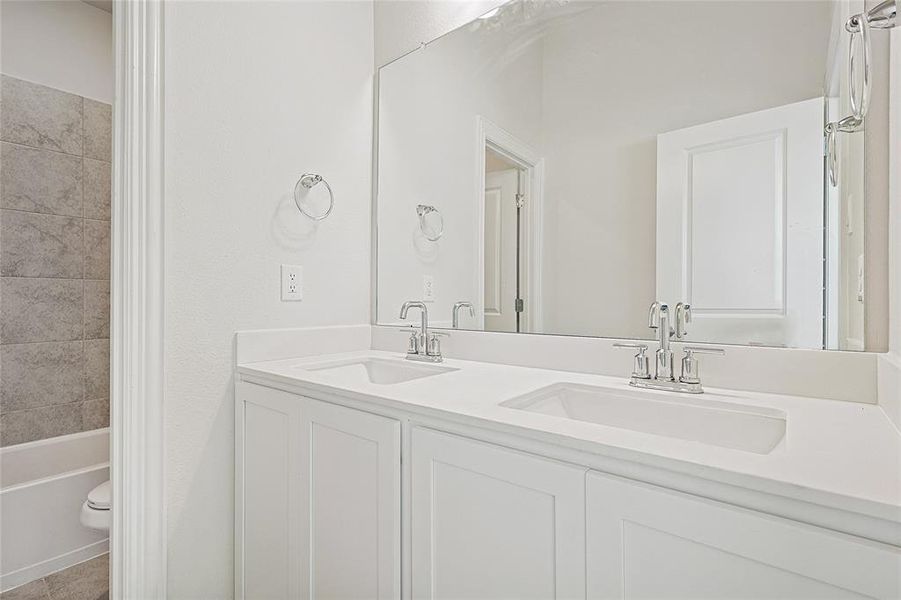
54	262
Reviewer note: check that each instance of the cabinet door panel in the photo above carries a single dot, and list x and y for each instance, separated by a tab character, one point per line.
350	488
649	542
269	473
490	522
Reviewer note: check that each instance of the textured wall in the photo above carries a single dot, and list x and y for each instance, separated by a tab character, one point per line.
256	94
54	262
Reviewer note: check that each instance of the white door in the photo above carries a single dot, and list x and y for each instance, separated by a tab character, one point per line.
318	499
740	226
501	251
493	523
650	542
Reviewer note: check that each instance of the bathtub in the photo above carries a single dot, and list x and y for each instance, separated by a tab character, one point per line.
42	487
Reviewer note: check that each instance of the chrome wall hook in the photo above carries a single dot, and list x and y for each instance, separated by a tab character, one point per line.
307	182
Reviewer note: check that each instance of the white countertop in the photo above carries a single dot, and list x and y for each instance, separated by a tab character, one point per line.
842	455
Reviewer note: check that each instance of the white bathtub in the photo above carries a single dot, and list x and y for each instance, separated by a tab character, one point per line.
42	487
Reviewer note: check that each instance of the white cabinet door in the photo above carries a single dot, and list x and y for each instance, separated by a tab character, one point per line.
350	488
489	522
649	542
267	487
318	499
740	226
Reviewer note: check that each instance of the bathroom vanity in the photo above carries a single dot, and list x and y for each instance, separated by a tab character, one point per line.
365	475
639	175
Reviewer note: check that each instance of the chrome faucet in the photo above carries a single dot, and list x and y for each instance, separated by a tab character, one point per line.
423	346
457	307
664	378
658	318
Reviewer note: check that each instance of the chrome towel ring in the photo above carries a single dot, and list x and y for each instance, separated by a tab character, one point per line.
860	102
431	223
307	182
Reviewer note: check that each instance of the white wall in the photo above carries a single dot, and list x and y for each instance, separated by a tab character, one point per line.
256	94
67	45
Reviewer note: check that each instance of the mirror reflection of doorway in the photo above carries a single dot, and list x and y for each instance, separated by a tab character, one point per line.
506	275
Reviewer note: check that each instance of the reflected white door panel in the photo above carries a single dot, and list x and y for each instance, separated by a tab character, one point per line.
740	226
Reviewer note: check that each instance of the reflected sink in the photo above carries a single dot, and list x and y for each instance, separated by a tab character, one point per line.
376	370
706	420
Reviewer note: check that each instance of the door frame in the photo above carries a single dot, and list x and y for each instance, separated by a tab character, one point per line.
529	160
137	425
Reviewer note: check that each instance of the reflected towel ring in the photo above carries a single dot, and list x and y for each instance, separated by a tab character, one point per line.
859	104
435	230
307	182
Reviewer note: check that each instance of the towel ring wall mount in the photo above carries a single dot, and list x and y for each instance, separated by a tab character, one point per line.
431	223
306	183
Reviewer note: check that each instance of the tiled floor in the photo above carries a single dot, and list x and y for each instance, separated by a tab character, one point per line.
85	581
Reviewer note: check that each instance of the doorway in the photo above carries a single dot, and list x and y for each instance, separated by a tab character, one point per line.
505	276
509	244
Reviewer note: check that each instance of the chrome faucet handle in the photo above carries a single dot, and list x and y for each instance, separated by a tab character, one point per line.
691	368
641	365
413	342
434	344
704	350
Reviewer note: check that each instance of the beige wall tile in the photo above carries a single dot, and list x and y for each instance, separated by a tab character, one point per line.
39	116
96	249
41	374
41	310
97	130
40	423
95	414
35	245
96	309
96	369
40	181
97	182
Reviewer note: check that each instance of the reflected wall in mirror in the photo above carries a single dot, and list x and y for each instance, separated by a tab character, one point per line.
591	158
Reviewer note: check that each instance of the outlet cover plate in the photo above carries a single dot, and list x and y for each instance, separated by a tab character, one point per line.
292	283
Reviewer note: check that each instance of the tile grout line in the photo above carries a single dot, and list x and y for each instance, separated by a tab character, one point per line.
52	151
50	214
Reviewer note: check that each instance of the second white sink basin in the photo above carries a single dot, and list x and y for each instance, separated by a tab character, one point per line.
377	370
726	424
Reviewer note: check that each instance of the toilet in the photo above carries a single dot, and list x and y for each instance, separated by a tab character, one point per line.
95	512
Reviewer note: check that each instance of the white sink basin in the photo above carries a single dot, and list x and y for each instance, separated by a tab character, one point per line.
376	370
705	419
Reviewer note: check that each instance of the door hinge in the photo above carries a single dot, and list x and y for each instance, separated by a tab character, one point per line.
520	305
520	200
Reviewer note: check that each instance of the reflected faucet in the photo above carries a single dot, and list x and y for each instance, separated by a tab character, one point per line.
423	347
457	306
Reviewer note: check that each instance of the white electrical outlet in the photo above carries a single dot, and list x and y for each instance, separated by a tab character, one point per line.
292	283
428	288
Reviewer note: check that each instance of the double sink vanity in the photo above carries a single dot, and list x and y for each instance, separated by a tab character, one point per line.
542	175
361	474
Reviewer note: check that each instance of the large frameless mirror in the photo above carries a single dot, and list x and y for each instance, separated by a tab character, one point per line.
590	158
